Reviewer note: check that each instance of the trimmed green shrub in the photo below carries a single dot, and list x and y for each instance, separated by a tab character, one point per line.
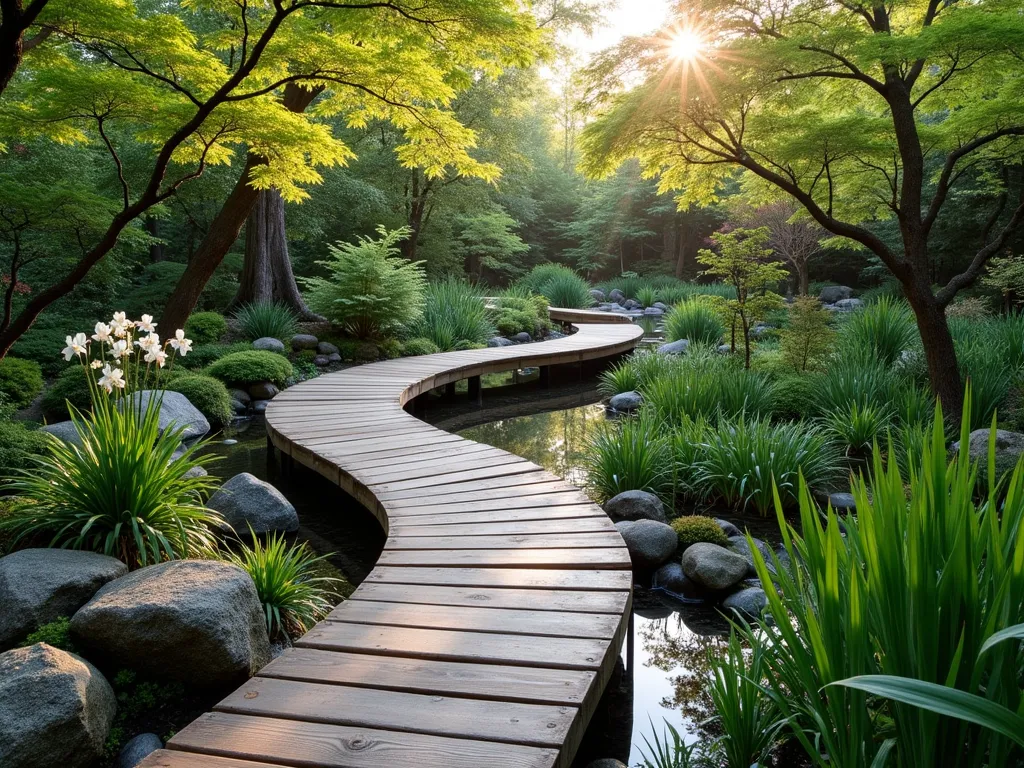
207	394
203	355
389	348
263	319
205	327
693	529
419	346
519	312
742	458
453	312
695	320
71	386
252	366
19	445
371	290
793	396
20	380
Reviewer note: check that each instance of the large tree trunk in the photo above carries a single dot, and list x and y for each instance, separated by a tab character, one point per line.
267	272
15	19
803	281
939	351
156	250
224	229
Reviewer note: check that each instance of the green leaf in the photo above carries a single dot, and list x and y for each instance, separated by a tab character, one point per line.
1016	632
951	702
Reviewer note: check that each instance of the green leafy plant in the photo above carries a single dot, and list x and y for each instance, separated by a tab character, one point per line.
881	330
743	459
419	346
668	751
127	490
453	312
56	633
207	394
203	355
206	327
859	426
719	388
20	380
294	597
809	337
693	529
263	319
647	295
568	290
370	289
629	455
696	320
251	366
621	377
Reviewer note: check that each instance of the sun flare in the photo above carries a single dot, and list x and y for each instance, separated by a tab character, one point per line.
686	45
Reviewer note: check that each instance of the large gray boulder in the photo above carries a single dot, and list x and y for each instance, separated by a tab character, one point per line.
616	296
63	430
848	305
40	585
649	542
830	294
674	347
741	547
176	410
269	344
1009	447
245	501
326	348
748	603
499	341
729	529
635	505
302	341
198	622
712	566
626	402
671	579
843	502
55	709
263	390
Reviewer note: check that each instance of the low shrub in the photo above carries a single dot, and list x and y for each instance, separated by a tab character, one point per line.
71	386
794	396
19	446
453	312
207	394
389	349
516	311
695	320
630	454
419	346
56	633
294	597
205	327
741	459
252	366
809	337
370	289
203	355
20	380
694	529
267	319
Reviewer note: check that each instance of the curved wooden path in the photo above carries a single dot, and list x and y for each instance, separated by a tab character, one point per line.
488	630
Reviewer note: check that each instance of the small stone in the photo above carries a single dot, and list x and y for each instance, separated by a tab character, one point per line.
654	311
724	349
843	502
321	361
712	566
728	528
740	546
635	505
626	402
649	542
326	348
522	338
674	347
240	395
748	603
260	406
269	344
632	304
616	296
302	341
499	341
606	762
334	357
137	749
229	441
848	305
552	335
238	406
56	709
670	579
263	390
1009	446
245	501
597	295
660	305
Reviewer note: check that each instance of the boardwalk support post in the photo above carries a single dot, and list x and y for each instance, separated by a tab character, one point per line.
476	390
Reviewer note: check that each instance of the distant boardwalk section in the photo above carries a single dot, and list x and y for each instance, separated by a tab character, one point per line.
488	630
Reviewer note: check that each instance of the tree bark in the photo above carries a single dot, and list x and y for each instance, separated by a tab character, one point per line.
803	280
156	250
939	351
267	271
224	229
16	20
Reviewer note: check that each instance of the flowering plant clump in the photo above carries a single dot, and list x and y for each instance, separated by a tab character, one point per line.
127	488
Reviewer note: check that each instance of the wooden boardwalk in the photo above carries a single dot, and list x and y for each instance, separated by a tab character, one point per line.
488	630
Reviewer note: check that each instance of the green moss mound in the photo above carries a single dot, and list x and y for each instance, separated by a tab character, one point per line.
206	327
252	366
20	380
207	394
694	529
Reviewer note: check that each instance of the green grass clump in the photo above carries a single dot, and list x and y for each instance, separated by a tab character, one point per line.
207	394
646	295
252	366
123	493
262	319
538	277
742	458
621	377
881	331
20	380
206	327
693	529
569	291
711	390
294	597
858	427
630	454
695	320
453	312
